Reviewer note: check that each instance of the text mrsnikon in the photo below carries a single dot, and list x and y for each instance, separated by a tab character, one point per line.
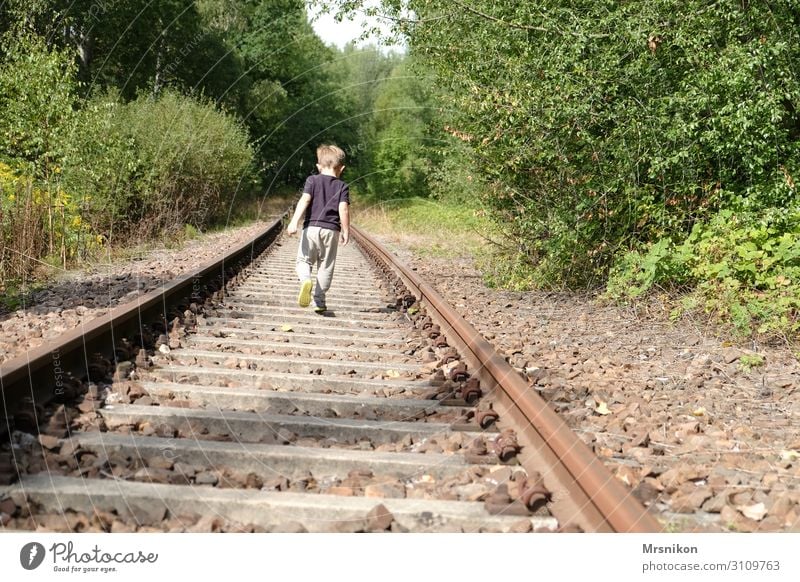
673	549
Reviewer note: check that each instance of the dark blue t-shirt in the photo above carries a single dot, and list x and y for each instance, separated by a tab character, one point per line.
326	194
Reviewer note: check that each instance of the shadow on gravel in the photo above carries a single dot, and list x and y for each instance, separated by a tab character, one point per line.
78	297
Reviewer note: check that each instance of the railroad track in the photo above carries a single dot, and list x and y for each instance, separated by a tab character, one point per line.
245	412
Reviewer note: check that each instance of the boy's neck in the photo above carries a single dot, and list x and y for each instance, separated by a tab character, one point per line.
335	172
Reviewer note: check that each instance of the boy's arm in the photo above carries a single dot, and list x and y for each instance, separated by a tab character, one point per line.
344	217
299	212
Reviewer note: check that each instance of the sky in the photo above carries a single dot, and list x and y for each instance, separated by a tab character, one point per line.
340	33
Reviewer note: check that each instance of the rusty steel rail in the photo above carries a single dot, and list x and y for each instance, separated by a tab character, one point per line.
38	377
587	494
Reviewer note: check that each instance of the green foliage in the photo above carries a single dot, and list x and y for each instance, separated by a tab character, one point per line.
102	165
361	74
364	72
605	126
743	268
192	157
402	153
72	178
37	96
507	271
656	140
455	177
396	148
259	59
37	217
636	273
746	268
133	46
190	232
749	361
158	163
294	103
124	119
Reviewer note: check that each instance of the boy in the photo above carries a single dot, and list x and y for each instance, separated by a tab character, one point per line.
327	199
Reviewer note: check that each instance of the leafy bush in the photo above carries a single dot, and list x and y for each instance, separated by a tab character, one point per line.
38	218
37	96
637	273
402	154
102	166
73	177
747	269
743	268
656	141
157	164
193	157
604	127
454	178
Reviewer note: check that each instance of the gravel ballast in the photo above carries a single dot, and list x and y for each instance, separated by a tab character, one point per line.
76	297
707	440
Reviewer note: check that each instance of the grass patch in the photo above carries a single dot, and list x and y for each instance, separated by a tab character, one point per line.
749	361
15	293
11	297
428	227
241	213
250	209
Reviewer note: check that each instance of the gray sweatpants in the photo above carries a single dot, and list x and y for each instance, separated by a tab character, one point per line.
318	248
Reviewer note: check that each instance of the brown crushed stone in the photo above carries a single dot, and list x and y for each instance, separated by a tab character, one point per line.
81	295
704	440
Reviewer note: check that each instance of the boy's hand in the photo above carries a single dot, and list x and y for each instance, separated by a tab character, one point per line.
299	212
344	237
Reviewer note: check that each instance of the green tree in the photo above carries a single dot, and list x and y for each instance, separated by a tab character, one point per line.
294	104
403	150
360	75
601	127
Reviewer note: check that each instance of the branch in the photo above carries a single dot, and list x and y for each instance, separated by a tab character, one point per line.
405	20
498	20
524	26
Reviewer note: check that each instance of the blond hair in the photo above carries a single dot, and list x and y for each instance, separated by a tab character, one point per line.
330	156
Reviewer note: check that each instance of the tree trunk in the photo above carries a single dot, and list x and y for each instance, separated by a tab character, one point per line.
159	78
85	44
